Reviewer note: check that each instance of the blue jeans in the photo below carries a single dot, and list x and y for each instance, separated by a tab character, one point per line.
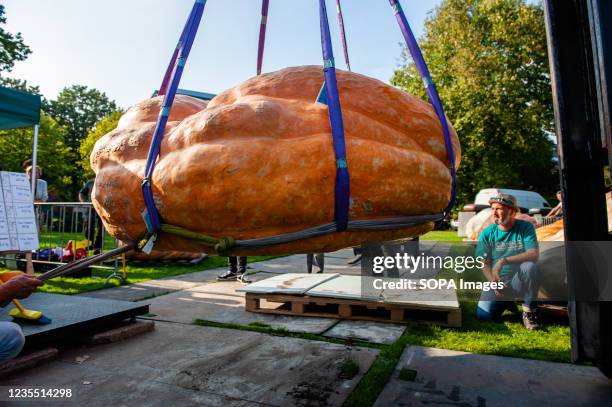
524	283
11	340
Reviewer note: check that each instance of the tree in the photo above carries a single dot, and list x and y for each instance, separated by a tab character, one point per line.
489	61
53	154
19	84
12	47
105	125
79	109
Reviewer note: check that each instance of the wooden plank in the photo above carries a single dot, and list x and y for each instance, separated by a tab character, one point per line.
353	309
297	307
397	315
251	303
345	311
454	319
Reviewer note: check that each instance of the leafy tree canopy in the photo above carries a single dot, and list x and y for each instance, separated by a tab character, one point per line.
105	125
12	47
53	154
489	61
79	109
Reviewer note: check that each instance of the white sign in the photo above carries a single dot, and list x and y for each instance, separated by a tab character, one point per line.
17	218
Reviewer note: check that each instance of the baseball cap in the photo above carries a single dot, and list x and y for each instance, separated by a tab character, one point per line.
505	199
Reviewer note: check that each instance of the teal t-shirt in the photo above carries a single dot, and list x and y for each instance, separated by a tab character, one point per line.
495	243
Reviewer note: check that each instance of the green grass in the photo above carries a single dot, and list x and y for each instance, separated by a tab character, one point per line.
442	236
349	369
135	274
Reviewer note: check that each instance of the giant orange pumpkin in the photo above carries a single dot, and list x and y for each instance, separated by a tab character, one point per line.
258	161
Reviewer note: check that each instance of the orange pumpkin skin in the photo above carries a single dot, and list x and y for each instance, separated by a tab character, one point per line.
258	161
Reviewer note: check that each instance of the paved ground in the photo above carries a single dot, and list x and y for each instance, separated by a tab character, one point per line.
183	364
445	377
179	364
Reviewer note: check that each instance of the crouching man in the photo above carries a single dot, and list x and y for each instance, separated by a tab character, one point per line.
11	336
510	249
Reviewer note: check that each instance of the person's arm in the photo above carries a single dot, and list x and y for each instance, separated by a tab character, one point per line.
532	250
487	270
18	288
532	254
556	211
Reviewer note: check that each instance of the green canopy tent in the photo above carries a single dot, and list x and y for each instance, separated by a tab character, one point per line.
20	109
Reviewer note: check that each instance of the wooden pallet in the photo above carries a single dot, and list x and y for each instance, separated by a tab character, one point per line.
327	307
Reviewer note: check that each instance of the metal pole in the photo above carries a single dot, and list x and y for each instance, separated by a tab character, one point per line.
34	156
581	162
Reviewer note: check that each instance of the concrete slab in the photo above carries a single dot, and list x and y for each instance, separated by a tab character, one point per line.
290	264
339	265
27	361
155	288
297	264
429	299
445	377
346	254
375	332
95	387
188	365
71	315
347	287
219	302
290	283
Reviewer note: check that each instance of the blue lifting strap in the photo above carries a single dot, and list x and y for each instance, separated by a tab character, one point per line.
342	190
434	98
150	214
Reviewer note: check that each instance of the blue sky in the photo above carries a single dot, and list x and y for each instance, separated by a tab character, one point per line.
122	47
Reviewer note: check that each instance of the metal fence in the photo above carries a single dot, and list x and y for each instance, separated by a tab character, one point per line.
68	231
544	221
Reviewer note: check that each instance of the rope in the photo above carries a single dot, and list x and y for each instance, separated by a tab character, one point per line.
262	34
223	245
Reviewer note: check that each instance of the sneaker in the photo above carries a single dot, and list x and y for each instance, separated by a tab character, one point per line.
530	320
228	276
242	278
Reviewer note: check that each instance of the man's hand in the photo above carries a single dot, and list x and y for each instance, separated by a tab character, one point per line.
497	270
18	287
